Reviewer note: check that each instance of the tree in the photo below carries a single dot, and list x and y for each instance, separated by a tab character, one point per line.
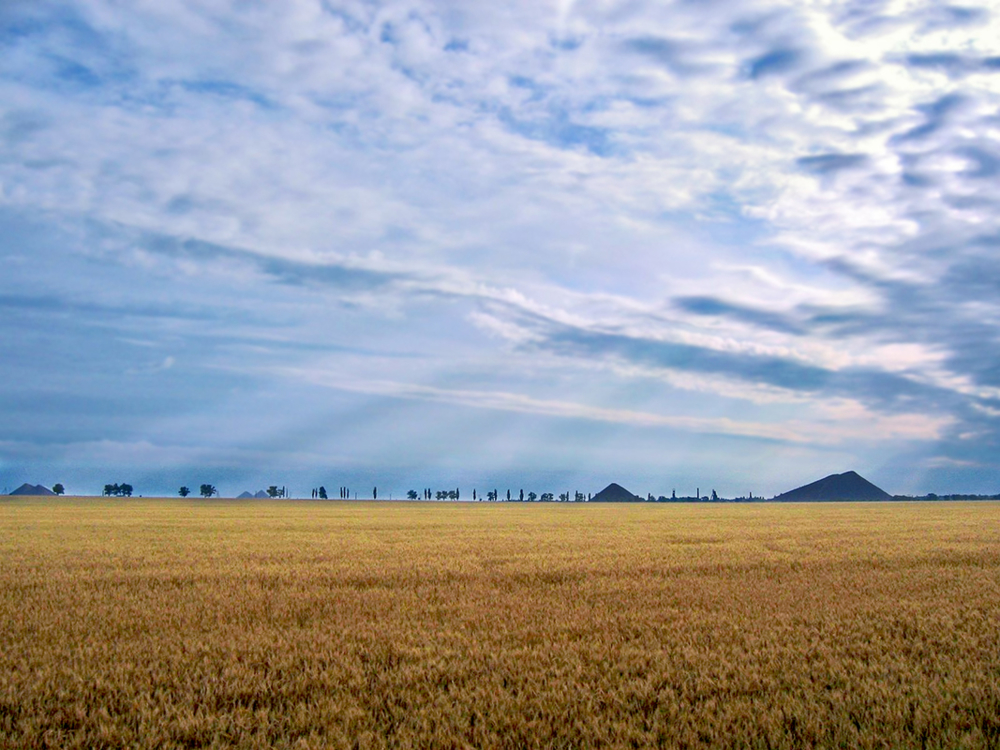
322	493
547	497
208	490
374	493
109	489
125	490
273	491
579	497
532	497
715	498
491	495
564	497
522	496
58	489
473	495
412	495
184	491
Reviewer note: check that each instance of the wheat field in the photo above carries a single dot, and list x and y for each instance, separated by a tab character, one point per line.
164	623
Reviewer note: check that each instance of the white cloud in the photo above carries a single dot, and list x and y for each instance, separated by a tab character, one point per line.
429	171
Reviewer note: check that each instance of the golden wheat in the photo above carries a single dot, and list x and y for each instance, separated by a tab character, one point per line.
305	624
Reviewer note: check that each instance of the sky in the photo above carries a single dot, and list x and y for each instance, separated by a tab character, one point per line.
718	244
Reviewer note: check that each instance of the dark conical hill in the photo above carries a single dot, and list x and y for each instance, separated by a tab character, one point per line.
615	493
35	490
847	486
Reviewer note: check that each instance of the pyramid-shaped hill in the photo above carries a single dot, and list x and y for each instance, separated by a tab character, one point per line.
33	490
847	486
245	496
615	493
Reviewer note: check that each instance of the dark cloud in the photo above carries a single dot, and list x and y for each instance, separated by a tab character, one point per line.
832	74
861	18
936	16
985	161
824	164
936	115
884	391
854	99
952	64
830	85
777	61
556	127
282	270
20	126
676	56
712	306
54	305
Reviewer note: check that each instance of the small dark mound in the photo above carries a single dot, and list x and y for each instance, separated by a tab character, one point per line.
34	490
847	486
615	493
245	496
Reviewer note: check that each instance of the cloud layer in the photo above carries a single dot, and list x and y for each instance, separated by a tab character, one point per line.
730	242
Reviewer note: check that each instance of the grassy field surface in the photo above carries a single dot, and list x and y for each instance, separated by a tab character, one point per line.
140	623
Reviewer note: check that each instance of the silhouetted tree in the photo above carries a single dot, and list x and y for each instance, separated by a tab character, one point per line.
563	497
322	493
412	494
532	497
508	496
715	498
273	491
58	489
125	490
522	496
579	497
453	494
374	493
208	490
473	495
547	497
184	491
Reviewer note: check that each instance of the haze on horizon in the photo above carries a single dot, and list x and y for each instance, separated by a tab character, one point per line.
735	245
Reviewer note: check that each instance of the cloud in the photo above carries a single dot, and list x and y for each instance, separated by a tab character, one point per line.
774	62
912	427
747	211
831	163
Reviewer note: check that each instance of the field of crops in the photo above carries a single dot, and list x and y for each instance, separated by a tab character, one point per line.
139	623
